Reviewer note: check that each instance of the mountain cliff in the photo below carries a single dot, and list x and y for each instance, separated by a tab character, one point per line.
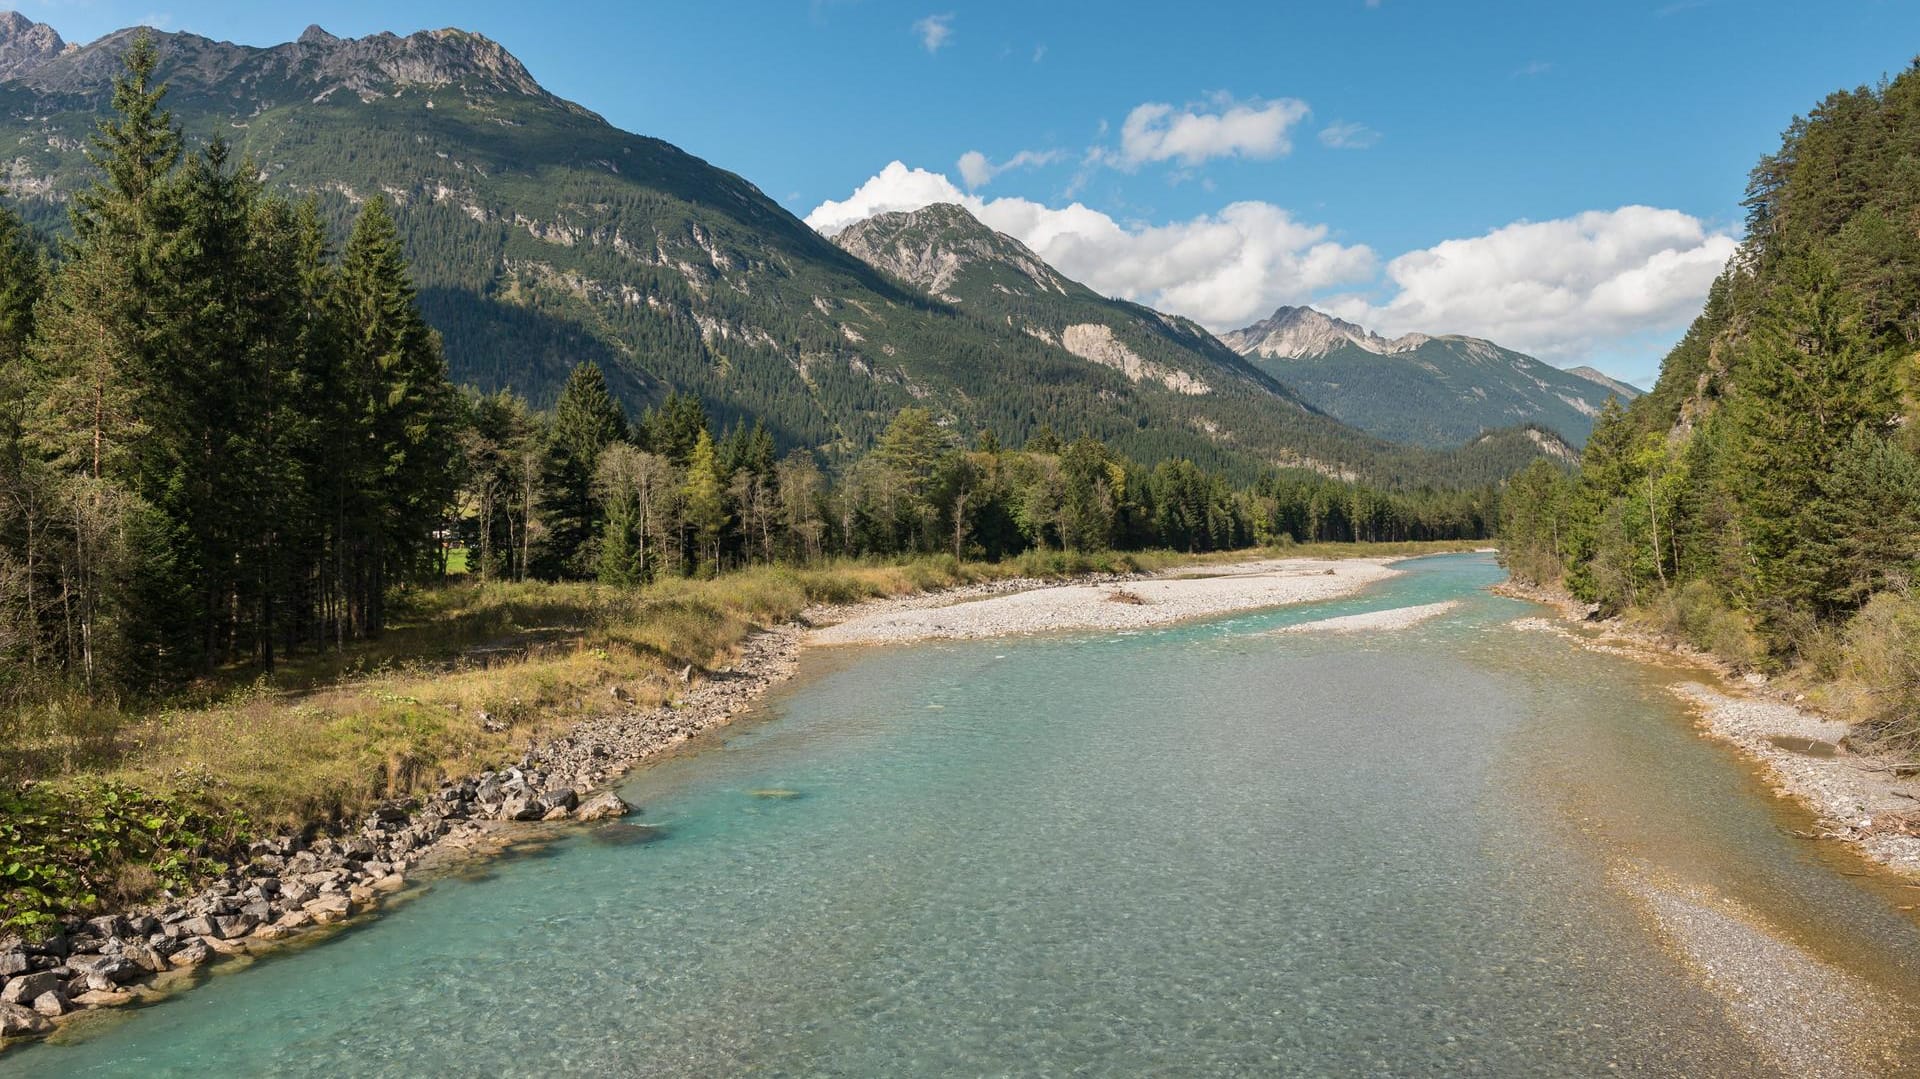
1418	388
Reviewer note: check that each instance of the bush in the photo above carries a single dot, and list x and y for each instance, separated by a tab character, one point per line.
1883	658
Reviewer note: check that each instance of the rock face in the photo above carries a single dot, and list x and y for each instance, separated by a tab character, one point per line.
932	247
319	63
25	44
1427	390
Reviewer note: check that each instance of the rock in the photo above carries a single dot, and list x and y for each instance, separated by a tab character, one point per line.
103	998
18	1021
189	955
295	919
235	926
777	793
12	963
114	969
109	927
27	987
143	957
605	805
522	807
53	1003
619	694
329	909
194	927
224	947
616	834
562	797
556	813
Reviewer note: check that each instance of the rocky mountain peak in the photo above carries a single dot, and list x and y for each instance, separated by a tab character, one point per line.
1299	332
315	65
25	44
932	246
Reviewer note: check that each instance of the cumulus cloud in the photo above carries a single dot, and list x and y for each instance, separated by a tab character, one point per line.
934	31
1558	289
1191	134
1223	269
1564	290
1342	135
977	170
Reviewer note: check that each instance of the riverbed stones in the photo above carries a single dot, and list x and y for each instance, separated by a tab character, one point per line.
53	1003
13	963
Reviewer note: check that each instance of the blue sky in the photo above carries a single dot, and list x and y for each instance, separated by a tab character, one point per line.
1412	164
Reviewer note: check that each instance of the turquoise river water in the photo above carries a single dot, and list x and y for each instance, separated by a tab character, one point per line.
1199	850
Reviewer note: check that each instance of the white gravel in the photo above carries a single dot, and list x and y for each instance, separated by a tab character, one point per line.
1375	621
1171	597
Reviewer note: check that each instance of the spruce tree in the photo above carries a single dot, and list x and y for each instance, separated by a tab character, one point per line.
586	421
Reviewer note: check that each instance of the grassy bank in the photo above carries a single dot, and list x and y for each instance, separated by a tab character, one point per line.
106	804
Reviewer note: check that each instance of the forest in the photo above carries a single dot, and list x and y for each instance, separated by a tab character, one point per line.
227	442
1763	502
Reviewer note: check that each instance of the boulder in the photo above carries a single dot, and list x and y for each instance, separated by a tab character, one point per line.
329	909
116	970
19	1021
602	806
53	1003
25	988
12	963
189	955
194	927
103	998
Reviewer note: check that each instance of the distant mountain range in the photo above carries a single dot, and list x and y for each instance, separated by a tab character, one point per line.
541	236
1421	389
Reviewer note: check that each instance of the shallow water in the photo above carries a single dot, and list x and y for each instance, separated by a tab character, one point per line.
1204	849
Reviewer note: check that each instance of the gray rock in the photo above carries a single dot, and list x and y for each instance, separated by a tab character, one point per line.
27	987
12	963
115	969
234	926
53	1003
602	806
560	797
194	927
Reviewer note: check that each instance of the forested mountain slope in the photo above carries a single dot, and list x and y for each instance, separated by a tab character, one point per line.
1421	389
541	236
1767	492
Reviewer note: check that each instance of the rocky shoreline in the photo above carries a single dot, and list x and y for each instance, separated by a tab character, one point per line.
292	886
1856	798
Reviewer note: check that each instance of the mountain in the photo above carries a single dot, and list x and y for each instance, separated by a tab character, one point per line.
1421	389
541	236
1626	391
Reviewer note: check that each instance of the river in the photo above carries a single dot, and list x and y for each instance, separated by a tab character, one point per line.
1199	850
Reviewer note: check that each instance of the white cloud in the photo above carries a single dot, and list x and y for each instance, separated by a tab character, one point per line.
1567	290
1039	53
1342	135
1532	68
977	170
1223	269
1559	289
935	31
1157	131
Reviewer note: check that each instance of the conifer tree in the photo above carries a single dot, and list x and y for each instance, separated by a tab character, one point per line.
586	421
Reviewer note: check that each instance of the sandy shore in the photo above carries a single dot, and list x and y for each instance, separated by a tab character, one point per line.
1175	596
1375	621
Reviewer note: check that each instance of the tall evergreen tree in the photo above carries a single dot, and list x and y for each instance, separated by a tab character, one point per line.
586	421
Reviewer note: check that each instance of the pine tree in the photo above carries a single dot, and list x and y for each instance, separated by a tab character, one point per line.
409	408
586	421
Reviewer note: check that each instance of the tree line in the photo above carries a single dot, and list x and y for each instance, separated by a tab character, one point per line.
585	492
1768	490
